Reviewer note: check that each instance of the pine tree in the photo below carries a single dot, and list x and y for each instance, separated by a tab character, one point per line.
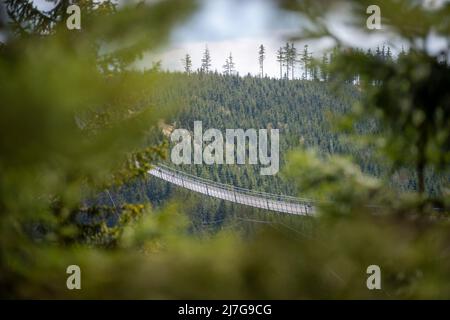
324	67
232	64
313	68
187	63
228	67
262	57
378	53
388	53
280	60
287	58
305	62
206	61
292	58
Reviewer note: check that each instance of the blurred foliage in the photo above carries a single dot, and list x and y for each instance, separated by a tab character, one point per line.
274	263
68	126
409	101
75	119
407	98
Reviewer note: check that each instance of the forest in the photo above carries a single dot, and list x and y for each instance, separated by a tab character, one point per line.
303	110
363	133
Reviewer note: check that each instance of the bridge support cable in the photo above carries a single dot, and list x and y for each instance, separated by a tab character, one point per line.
256	199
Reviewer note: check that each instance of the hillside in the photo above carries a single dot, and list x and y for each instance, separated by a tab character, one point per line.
302	110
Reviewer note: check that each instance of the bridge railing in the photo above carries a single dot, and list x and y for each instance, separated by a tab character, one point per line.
258	199
236	188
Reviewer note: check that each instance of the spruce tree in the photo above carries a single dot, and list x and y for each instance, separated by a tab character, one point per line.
324	67
262	57
292	59
287	58
280	60
206	61
187	63
305	62
228	67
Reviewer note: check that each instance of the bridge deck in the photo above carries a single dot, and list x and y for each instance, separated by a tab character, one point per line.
262	200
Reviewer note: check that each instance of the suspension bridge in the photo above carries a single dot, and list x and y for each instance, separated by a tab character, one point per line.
247	197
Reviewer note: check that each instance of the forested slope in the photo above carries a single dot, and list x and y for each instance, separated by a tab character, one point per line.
302	110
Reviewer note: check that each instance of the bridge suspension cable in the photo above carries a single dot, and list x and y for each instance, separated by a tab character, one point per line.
251	198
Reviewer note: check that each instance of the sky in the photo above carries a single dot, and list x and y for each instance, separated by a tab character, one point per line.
241	26
225	26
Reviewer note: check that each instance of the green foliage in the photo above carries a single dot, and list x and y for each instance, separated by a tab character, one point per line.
305	113
407	98
71	123
274	262
74	122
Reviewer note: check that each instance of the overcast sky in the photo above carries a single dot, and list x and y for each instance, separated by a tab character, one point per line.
239	27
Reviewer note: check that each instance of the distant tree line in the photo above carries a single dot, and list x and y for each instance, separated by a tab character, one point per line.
293	63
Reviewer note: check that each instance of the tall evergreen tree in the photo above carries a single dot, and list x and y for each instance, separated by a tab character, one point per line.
305	62
388	53
280	60
313	68
262	57
378	53
228	67
187	63
324	67
287	58
206	61
292	59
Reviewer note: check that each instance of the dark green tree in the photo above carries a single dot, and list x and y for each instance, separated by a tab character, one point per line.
281	60
187	63
206	61
305	60
229	66
411	107
293	59
261	58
